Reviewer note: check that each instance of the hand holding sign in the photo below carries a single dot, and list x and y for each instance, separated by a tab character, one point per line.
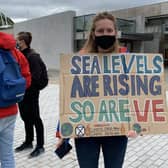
132	134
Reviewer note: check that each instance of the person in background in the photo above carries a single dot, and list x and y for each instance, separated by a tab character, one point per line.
29	107
8	114
102	39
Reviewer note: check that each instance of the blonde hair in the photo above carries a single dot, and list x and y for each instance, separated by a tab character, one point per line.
90	45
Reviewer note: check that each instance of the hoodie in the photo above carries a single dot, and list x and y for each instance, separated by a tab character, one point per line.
8	42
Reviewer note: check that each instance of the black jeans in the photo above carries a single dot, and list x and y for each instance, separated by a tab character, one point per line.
113	148
30	114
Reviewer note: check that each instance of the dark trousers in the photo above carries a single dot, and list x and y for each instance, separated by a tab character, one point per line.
113	148
30	114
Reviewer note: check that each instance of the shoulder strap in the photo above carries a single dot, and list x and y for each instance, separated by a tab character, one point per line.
2	65
7	57
32	51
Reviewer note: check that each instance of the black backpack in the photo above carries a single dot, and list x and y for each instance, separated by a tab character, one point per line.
43	82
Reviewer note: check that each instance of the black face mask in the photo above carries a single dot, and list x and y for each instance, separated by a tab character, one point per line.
105	42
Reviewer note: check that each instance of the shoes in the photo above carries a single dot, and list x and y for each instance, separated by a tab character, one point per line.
36	152
24	146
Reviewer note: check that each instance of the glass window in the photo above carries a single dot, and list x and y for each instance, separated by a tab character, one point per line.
88	21
126	26
83	23
78	45
166	54
79	24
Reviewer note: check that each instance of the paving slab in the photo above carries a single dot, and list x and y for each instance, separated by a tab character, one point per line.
150	151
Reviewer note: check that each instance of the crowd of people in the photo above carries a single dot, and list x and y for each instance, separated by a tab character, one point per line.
102	38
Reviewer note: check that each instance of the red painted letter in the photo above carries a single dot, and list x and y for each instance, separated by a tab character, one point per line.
157	110
142	114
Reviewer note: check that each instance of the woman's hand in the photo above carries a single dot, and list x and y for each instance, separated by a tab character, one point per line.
59	143
132	134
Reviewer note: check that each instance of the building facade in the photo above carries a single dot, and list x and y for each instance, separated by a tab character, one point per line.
141	29
52	35
151	19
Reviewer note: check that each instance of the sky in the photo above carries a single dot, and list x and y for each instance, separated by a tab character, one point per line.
19	10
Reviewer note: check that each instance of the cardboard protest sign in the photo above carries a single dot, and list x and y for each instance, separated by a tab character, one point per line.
104	95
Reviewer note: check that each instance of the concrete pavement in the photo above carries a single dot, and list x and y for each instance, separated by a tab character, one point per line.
142	152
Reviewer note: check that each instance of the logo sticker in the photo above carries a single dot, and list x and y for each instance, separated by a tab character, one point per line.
66	129
80	130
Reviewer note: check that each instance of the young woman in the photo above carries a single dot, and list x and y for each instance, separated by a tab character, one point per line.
102	39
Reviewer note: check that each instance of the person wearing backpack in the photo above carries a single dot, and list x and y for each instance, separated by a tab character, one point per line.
29	107
8	112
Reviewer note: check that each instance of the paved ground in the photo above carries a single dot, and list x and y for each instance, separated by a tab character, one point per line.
142	152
